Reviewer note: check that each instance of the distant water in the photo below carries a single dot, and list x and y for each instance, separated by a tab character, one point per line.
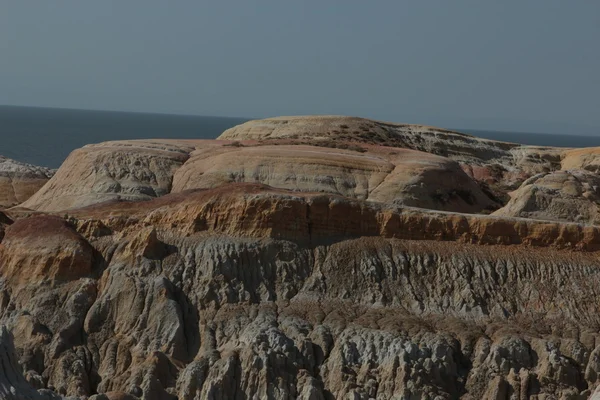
537	139
46	136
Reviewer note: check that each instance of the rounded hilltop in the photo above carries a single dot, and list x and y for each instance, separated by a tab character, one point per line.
142	170
566	195
313	126
400	164
330	127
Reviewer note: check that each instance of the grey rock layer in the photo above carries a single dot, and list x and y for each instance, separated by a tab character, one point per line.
165	316
12	383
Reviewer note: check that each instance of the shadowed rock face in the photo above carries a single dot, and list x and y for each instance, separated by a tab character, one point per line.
12	383
281	266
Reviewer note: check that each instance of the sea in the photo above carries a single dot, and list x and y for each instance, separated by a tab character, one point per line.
46	136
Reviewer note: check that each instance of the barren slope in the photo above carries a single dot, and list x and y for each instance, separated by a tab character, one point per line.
127	170
140	170
309	258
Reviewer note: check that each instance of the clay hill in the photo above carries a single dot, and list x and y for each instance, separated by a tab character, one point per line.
303	258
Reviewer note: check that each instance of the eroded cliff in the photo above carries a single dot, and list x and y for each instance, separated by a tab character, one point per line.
264	268
254	293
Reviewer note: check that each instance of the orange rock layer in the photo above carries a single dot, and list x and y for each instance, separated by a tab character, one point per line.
249	210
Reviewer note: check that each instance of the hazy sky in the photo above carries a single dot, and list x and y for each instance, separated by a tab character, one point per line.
486	64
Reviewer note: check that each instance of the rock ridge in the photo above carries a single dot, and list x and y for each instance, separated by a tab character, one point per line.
258	211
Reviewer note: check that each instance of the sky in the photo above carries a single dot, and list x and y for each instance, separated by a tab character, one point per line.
508	65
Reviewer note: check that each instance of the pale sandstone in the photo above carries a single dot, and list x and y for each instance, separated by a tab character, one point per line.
372	161
586	159
499	165
19	181
402	177
444	142
570	195
424	138
124	170
138	170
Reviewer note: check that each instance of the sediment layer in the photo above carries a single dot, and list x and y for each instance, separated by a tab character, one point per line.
275	263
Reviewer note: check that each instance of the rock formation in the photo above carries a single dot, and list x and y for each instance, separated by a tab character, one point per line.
499	166
12	383
353	157
19	181
296	266
455	145
401	176
126	170
570	195
140	170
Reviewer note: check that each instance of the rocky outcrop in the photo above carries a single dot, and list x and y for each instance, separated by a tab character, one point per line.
282	264
5	221
248	292
112	171
571	195
12	383
455	145
44	248
418	137
498	166
19	181
247	210
142	170
400	164
585	159
402	177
